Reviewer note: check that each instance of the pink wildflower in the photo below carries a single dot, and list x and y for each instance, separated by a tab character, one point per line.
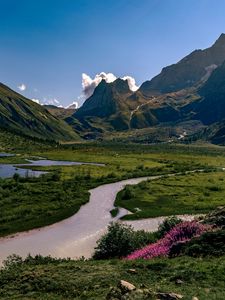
182	232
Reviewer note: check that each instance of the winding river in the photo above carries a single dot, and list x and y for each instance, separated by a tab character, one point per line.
77	235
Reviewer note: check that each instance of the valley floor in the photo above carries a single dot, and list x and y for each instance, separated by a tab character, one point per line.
28	203
65	189
57	280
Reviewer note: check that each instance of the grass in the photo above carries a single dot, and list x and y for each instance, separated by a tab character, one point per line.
194	193
30	203
44	278
25	204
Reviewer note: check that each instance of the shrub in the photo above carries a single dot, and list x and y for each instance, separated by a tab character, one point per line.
208	244
216	217
127	193
120	240
114	212
12	261
182	232
167	225
16	177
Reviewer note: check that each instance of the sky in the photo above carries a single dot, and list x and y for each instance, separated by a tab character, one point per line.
46	45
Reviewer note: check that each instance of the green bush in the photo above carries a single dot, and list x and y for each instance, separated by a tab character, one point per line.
167	225
208	244
120	240
127	193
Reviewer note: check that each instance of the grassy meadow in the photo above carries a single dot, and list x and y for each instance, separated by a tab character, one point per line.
193	193
44	278
50	198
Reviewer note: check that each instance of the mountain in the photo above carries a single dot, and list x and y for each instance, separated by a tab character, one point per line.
73	105
214	133
25	117
211	108
109	108
188	72
166	108
60	112
181	92
107	99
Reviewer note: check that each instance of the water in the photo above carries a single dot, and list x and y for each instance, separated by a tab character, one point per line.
8	170
2	154
76	236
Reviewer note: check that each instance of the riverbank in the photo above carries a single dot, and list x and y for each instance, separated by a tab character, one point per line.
76	236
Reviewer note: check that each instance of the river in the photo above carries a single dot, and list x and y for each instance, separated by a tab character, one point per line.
77	235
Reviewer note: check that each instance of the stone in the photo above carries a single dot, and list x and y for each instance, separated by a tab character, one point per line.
169	296
126	286
132	271
179	281
194	298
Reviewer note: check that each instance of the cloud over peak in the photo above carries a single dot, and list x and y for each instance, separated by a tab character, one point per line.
22	87
89	84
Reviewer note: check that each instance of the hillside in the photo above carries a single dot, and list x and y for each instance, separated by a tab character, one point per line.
24	117
45	278
214	133
212	106
187	72
188	91
60	112
108	109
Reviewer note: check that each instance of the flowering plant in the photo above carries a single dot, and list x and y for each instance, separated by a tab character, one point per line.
182	232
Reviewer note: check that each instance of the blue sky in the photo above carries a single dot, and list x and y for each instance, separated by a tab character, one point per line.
48	44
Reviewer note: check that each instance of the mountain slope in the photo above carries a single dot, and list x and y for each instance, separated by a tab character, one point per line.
22	116
189	71
212	106
60	112
193	91
109	108
107	99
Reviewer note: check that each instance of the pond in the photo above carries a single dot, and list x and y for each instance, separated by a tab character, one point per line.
8	170
2	154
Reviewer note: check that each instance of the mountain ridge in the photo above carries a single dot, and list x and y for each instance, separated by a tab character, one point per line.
186	72
23	116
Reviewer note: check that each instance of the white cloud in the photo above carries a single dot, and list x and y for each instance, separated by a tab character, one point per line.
22	87
51	101
73	105
131	82
89	84
36	101
55	102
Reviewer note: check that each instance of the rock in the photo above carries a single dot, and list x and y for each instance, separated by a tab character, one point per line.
194	298
132	271
127	291
126	286
179	281
169	296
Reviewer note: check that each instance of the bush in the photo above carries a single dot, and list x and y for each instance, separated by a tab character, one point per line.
120	240
12	261
181	233
127	193
16	177
209	244
217	217
167	225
